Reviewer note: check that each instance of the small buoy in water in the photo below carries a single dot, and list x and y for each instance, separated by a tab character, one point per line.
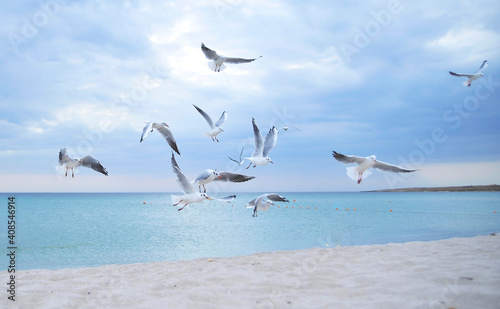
336	209
354	208
144	202
390	210
316	207
294	200
308	207
210	260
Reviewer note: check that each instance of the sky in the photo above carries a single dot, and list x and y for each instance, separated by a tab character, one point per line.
361	78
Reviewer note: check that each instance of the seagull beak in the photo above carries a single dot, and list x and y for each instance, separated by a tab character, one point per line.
220	177
271	162
209	198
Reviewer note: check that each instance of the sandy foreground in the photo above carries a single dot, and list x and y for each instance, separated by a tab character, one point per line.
452	273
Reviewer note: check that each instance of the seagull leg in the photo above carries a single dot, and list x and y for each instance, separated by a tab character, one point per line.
178	203
182	207
66	172
360	177
249	165
73	173
216	139
199	188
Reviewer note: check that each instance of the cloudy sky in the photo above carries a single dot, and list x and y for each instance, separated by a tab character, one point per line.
361	79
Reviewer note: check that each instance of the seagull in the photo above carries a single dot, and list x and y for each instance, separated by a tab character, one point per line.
262	149
363	165
190	195
72	163
471	77
240	162
161	127
216	129
212	175
264	202
227	199
217	63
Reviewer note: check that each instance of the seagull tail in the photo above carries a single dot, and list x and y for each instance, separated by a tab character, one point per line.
176	199
353	173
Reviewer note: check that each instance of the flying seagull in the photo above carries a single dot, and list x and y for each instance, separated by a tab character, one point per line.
216	129
262	149
227	199
471	77
161	127
190	195
363	165
264	202
212	175
217	63
240	162
72	163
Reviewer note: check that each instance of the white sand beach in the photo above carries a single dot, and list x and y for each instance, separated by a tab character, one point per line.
452	273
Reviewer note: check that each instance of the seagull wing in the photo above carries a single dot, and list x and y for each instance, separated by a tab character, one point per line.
276	197
146	130
204	175
183	182
207	118
483	65
271	140
234	160
241	153
93	163
259	144
461	74
347	159
63	157
167	134
251	204
390	168
210	54
221	120
233	177
239	60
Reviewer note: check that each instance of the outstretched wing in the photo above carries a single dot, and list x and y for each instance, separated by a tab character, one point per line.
167	134
259	144
239	60
276	197
233	177
93	163
461	74
207	118
347	159
183	182
146	130
63	157
483	65
210	54
271	140
221	120
391	168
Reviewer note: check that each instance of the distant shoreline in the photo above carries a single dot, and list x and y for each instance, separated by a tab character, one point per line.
445	189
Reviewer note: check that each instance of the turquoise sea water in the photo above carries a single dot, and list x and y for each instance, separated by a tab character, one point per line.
55	231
